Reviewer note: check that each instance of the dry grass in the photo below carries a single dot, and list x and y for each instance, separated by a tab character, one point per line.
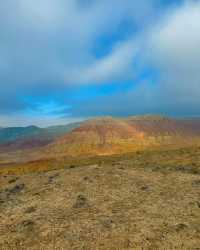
144	200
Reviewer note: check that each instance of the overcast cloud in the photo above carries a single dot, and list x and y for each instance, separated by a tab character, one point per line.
51	49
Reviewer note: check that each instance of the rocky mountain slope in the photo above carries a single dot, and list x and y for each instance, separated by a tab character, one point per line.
102	136
116	135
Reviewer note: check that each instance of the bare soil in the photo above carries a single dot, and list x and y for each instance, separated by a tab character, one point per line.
148	200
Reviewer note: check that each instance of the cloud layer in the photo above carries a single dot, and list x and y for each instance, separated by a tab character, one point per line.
61	51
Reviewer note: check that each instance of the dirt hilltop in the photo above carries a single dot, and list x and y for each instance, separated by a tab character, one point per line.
146	200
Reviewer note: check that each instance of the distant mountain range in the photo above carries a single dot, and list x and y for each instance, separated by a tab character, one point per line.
13	138
104	135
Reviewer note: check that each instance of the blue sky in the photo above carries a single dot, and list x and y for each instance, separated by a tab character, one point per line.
68	60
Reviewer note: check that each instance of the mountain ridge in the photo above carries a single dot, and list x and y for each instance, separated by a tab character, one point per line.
14	138
105	135
111	135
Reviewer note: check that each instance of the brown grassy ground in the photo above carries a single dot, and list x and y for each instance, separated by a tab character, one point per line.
146	200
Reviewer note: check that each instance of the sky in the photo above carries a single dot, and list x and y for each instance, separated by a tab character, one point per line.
67	60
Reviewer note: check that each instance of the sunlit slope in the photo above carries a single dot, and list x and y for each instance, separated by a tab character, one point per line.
160	125
101	136
109	135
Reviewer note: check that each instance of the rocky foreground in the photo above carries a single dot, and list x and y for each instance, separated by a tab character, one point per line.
144	201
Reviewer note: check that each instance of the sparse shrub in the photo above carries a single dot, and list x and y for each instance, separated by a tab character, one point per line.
145	188
181	226
16	189
30	210
196	183
81	201
198	204
106	222
51	178
27	225
72	166
13	180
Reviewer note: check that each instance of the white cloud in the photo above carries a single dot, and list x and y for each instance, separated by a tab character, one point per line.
44	39
175	52
51	43
21	119
117	65
171	47
177	38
